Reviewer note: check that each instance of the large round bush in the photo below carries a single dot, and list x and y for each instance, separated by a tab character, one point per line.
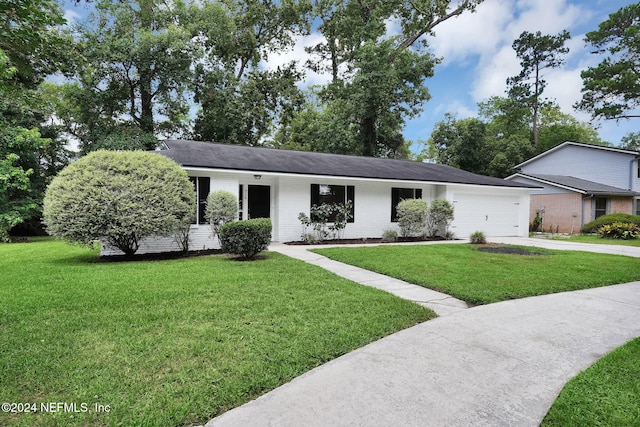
118	197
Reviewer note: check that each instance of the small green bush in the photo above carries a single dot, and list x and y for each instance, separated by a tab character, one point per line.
245	238
595	225
222	207
620	230
439	217
412	217
390	236
478	238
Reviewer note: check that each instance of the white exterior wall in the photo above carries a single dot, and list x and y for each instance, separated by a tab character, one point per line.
592	164
497	212
372	208
291	195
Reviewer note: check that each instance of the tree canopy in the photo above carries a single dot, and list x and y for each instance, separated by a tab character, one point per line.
611	90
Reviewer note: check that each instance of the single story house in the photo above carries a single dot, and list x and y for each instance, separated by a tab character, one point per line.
279	184
580	182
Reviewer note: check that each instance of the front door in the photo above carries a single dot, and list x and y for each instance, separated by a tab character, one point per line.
259	201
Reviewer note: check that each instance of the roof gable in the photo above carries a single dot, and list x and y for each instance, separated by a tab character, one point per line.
575	144
260	159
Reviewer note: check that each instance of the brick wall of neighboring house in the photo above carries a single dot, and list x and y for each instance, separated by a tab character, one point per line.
563	212
621	204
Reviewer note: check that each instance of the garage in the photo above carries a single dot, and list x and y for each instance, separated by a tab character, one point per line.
494	215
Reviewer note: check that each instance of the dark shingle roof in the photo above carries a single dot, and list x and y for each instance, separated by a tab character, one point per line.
259	159
581	185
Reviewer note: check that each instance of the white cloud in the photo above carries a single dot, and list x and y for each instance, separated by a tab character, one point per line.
298	53
472	34
71	16
493	72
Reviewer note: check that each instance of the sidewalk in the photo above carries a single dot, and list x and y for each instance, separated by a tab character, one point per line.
492	365
442	304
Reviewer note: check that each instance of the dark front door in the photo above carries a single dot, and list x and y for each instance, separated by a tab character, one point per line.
259	205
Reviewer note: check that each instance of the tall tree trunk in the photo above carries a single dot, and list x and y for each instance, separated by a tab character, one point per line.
145	71
368	136
536	107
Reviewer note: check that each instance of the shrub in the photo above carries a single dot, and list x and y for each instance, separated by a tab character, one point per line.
245	238
620	230
412	216
478	238
593	226
390	236
118	197
319	220
221	207
536	224
439	217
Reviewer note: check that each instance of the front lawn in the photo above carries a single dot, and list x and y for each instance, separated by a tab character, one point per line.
590	238
605	394
482	278
170	342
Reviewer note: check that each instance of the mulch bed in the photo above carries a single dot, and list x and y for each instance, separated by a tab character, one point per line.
510	250
365	240
160	256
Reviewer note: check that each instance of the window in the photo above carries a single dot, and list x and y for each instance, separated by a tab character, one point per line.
201	184
333	194
240	204
400	194
637	207
601	207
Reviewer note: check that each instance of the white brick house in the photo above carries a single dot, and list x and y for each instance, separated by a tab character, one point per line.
280	184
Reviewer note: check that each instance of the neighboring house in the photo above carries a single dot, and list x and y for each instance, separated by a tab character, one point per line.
279	184
579	183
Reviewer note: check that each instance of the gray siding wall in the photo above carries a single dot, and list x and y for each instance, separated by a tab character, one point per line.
605	167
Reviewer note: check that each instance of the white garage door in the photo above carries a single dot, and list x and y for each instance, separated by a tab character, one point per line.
492	214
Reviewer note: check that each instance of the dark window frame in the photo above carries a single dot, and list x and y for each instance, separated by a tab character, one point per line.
599	211
334	194
398	194
202	187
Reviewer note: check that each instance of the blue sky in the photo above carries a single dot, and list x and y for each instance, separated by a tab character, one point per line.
477	58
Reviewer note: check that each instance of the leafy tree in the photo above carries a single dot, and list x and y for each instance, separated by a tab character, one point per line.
461	143
29	39
134	69
377	78
631	141
611	90
501	137
16	203
242	103
536	52
118	197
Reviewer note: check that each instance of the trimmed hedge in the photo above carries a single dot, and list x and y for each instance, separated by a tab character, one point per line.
246	238
595	225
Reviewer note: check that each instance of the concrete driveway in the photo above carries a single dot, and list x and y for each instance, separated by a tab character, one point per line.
501	364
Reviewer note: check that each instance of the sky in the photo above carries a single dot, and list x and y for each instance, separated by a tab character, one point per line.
477	58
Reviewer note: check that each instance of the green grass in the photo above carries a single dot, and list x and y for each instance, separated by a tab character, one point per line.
587	238
481	278
172	342
606	394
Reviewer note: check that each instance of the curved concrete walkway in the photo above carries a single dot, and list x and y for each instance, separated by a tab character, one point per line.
492	365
